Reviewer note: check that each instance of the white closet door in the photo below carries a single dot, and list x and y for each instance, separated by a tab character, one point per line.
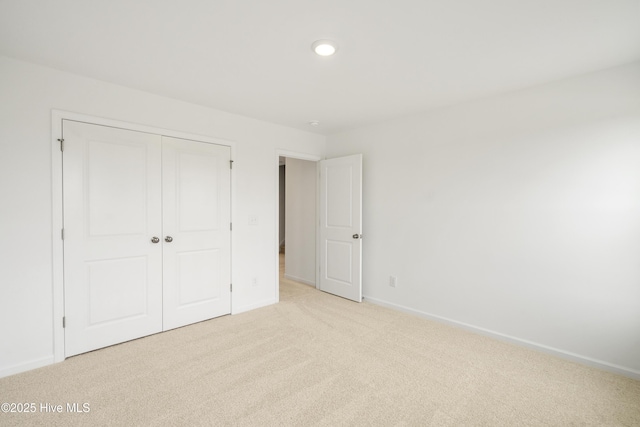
196	231
112	210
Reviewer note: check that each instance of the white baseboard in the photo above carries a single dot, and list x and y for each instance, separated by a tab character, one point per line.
27	366
259	304
301	280
584	360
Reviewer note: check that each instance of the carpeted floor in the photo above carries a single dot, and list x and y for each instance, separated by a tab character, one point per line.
316	359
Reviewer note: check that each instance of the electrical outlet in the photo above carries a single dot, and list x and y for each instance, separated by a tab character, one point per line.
393	281
253	219
254	281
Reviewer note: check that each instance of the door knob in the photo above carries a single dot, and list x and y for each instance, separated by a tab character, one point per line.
154	240
357	236
168	239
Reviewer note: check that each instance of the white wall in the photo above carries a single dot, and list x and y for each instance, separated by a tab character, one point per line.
300	253
28	95
518	215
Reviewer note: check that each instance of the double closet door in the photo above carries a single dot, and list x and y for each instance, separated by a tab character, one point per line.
147	241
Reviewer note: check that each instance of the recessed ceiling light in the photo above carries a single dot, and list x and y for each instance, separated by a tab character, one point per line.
314	123
324	47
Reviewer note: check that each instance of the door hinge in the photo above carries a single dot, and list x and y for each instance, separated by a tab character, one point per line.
230	287
62	234
61	144
64	321
231	226
230	164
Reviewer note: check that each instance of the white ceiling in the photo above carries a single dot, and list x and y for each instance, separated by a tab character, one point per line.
253	57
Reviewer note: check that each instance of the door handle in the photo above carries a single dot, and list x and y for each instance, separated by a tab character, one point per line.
357	236
154	240
168	239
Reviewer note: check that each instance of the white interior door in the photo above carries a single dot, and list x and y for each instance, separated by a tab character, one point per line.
341	226
112	210
196	231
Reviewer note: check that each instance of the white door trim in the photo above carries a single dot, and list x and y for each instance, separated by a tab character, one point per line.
57	116
299	156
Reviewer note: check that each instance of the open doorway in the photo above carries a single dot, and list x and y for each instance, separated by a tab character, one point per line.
323	251
297	198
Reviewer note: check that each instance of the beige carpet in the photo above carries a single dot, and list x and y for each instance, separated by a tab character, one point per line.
315	359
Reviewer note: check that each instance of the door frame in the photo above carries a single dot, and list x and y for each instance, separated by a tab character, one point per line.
57	116
300	156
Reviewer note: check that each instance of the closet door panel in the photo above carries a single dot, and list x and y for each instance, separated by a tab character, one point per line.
196	231
112	209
